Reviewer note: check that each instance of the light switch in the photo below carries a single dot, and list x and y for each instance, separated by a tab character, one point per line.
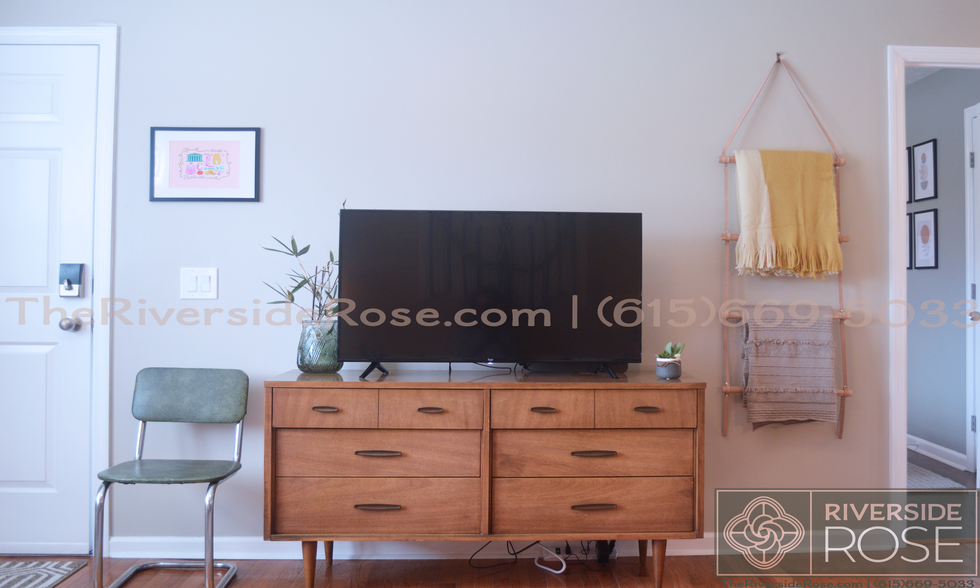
198	283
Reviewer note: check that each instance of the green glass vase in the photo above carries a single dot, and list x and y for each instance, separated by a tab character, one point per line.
317	352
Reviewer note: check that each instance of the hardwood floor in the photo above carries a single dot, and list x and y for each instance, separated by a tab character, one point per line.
680	572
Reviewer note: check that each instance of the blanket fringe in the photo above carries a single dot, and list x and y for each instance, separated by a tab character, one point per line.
760	342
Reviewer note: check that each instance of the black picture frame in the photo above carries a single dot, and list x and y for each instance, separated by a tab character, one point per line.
231	176
908	169
926	243
910	242
925	171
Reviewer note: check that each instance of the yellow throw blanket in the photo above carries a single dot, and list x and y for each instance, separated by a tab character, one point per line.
788	214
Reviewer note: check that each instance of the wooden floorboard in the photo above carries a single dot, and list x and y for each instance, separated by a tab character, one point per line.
679	572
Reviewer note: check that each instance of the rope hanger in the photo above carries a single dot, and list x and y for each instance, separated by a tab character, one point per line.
838	160
728	237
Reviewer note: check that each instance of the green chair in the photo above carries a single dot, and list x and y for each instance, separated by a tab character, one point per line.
179	395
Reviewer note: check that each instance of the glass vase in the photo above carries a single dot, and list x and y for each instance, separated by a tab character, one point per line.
317	352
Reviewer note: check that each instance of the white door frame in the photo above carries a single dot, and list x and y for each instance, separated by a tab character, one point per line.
900	57
106	39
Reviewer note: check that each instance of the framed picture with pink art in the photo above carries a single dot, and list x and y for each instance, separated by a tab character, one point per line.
924	170
204	164
925	232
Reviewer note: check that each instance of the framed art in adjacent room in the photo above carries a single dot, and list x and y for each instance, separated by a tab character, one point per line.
924	171
204	164
910	242
908	157
925	232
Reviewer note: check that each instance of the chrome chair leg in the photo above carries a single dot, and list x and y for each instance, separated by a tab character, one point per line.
208	565
97	534
209	535
230	570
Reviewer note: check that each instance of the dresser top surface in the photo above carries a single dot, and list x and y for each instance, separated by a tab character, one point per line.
479	379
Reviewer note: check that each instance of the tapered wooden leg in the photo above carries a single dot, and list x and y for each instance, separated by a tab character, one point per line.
644	572
328	551
309	562
659	555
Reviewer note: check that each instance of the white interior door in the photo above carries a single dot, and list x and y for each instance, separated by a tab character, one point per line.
971	134
48	107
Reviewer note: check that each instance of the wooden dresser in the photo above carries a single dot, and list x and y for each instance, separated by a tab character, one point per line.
475	456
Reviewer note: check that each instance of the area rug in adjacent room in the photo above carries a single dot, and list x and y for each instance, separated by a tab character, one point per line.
919	478
36	574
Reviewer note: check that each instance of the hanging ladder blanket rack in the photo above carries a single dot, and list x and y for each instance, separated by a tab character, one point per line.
728	237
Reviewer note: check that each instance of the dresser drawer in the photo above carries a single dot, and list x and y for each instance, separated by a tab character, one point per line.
366	506
430	409
638	409
592	505
325	408
542	409
377	453
593	453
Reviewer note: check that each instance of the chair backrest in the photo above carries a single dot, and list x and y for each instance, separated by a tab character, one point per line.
190	395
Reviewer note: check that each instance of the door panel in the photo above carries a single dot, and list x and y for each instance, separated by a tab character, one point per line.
23	422
25	182
26	98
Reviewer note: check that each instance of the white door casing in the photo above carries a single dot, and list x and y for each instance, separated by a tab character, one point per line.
57	110
900	57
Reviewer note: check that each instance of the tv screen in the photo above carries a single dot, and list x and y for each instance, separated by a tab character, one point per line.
514	287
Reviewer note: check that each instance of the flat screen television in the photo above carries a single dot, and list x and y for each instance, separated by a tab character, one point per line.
498	287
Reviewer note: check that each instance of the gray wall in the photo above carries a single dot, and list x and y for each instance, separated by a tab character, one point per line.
577	105
937	356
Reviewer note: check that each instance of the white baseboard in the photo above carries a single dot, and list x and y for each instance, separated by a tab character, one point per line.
45	548
938	452
256	548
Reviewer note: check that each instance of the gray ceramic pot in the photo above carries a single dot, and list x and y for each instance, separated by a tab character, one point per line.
669	371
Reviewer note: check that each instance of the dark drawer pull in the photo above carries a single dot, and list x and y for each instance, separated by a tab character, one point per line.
647	409
543	409
430	409
326	409
600	506
594	453
378	506
378	453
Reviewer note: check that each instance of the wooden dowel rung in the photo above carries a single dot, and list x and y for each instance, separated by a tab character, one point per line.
735	315
846	392
724	418
734	237
838	161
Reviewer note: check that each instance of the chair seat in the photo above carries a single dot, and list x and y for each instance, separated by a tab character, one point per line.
169	471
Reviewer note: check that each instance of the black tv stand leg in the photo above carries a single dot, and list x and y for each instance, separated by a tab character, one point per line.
604	367
375	365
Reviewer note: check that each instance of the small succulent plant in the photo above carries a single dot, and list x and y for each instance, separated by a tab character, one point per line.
672	351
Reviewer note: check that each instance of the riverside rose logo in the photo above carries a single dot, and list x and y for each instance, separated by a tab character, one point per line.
859	532
764	533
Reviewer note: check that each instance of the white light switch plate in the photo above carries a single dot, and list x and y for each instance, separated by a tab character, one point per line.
198	283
